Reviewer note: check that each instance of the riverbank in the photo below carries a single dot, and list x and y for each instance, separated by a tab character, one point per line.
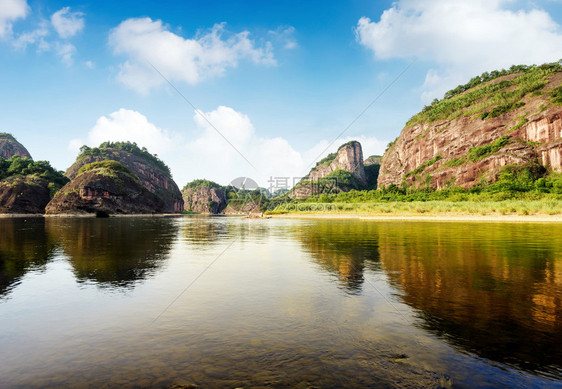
425	217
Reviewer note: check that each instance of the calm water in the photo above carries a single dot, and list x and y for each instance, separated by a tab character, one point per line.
229	302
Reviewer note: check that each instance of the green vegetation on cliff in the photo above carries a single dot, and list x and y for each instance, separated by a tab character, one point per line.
488	98
25	167
5	135
202	183
107	168
517	186
103	150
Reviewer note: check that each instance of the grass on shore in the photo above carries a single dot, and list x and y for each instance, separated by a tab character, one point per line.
505	207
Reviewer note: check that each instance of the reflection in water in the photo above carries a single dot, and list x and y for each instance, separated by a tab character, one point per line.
343	249
205	232
24	246
494	290
286	303
116	251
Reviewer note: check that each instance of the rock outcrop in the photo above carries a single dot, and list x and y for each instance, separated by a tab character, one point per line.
348	158
151	176
204	199
105	188
9	147
24	195
471	146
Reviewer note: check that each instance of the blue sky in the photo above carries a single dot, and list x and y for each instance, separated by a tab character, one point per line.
279	79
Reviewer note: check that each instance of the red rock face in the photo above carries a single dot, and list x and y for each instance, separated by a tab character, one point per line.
349	157
536	141
10	147
204	200
152	178
92	192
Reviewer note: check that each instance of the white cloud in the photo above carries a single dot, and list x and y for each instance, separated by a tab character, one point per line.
286	36
66	23
462	37
207	55
65	51
213	158
33	37
11	10
208	155
90	64
127	125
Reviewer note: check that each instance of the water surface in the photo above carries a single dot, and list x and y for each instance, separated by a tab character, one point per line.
231	302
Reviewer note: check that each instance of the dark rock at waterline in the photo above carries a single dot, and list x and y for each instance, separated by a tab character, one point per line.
105	188
24	195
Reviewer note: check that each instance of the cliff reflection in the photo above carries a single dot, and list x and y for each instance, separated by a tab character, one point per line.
115	252
24	246
483	289
342	248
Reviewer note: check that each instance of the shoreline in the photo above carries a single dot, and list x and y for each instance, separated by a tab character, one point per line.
85	216
425	217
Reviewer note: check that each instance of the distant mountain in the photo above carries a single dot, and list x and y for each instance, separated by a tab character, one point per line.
9	147
338	172
26	186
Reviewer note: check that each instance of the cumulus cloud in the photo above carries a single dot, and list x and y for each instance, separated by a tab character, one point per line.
11	10
67	23
206	154
462	37
127	125
271	156
146	42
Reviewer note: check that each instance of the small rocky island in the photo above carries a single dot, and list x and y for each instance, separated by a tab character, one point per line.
117	178
26	186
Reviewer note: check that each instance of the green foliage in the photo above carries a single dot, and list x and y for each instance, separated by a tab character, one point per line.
422	167
522	121
501	109
132	148
327	160
390	144
17	166
200	183
556	95
528	182
479	152
5	135
107	168
480	93
372	173
455	162
350	143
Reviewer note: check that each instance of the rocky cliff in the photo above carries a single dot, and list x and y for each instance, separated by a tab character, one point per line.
9	147
338	171
24	195
349	157
105	188
206	199
151	172
468	137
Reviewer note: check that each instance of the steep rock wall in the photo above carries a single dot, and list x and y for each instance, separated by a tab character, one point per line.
153	179
537	140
